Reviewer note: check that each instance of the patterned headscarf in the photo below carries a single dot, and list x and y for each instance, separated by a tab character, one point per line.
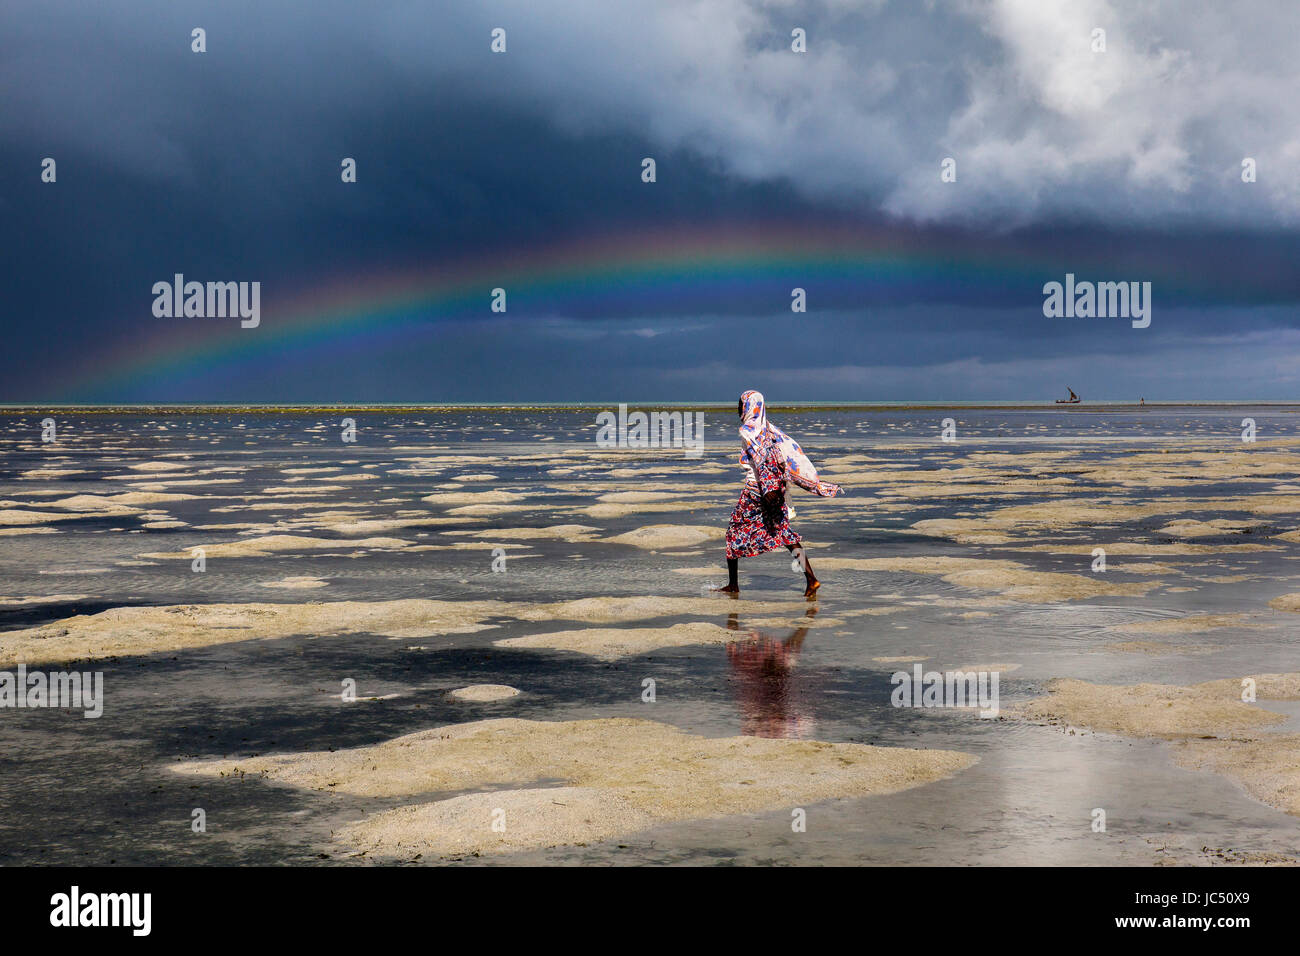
798	468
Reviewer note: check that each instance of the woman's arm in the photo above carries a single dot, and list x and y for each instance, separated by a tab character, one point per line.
771	485
772	503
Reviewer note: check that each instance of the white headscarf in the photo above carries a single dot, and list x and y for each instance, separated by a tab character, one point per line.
798	468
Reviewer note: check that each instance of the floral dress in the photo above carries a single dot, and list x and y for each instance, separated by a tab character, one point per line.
746	534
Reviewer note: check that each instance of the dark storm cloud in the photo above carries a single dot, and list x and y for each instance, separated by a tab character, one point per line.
225	165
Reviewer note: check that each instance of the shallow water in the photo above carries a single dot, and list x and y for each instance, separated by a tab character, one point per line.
98	791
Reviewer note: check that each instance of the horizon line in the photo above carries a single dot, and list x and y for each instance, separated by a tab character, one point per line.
201	407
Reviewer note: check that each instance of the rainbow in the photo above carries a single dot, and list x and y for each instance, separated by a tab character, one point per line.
640	273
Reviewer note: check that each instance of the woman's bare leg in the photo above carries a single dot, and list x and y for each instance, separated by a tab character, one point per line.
810	580
733	579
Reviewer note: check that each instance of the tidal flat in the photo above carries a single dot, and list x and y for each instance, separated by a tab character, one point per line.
474	637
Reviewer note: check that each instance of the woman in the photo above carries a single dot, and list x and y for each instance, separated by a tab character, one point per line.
761	520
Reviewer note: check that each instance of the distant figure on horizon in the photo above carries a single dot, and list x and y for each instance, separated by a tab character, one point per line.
761	521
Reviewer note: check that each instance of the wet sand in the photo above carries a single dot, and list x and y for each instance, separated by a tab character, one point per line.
628	775
396	563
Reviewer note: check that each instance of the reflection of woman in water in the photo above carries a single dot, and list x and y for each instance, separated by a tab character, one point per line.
766	688
761	521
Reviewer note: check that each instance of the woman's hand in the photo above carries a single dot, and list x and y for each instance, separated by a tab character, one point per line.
771	506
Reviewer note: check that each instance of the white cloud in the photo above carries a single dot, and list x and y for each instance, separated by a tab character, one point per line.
1152	130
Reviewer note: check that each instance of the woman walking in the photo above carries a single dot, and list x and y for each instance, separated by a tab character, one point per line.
761	521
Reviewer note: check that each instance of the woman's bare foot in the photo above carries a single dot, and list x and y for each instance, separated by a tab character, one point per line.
811	590
733	577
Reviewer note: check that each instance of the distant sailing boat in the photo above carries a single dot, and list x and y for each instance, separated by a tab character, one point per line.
1072	400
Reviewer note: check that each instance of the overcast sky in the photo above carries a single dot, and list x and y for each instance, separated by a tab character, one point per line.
224	165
